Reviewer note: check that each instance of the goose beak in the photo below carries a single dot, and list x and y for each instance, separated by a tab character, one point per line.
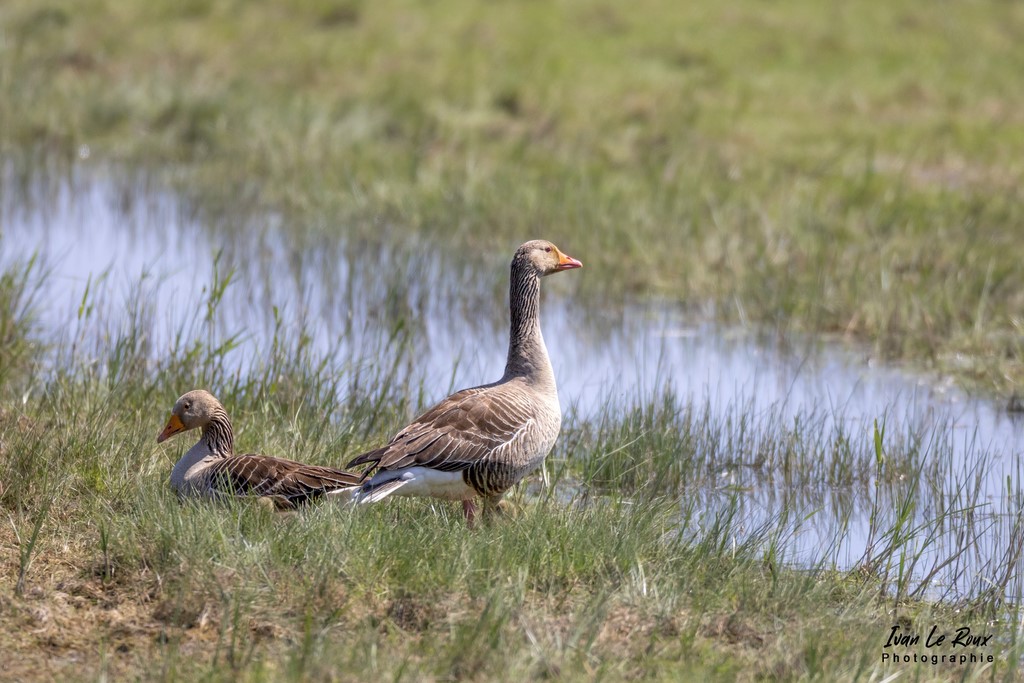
174	425
566	262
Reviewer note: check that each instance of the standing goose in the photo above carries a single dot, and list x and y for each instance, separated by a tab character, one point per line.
480	442
210	469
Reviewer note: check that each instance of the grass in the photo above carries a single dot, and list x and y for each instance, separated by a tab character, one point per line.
839	171
631	573
851	171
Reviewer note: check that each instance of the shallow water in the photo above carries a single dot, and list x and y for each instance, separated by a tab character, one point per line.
121	240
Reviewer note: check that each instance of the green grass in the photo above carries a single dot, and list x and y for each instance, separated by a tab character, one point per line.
629	575
844	170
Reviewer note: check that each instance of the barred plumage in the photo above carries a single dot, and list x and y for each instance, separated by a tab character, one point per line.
210	469
484	440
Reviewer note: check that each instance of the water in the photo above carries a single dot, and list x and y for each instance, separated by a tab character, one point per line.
124	241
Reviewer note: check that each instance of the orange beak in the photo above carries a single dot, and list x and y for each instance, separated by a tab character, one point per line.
566	262
174	425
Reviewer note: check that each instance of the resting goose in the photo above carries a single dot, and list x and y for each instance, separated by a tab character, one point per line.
210	469
480	442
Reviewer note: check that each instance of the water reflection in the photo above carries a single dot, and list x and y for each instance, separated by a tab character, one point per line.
119	239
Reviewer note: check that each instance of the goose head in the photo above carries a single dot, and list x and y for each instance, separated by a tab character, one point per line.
193	410
544	258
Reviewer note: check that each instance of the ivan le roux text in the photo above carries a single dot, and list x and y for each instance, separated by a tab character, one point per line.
963	638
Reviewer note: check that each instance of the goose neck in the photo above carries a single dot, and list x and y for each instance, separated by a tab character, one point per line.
218	436
527	354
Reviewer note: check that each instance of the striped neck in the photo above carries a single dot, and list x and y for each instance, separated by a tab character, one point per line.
218	435
527	355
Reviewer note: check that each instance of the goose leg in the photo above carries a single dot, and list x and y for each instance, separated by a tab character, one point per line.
469	509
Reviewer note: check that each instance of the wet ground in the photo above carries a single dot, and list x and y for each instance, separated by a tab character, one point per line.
121	246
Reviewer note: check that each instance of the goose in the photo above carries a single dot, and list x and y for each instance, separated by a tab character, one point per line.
210	469
479	442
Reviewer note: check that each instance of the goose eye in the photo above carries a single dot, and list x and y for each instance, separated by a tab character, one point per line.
188	406
548	249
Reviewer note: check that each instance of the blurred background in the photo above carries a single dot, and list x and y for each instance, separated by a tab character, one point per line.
848	170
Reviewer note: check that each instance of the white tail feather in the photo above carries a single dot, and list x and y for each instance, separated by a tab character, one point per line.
381	492
344	495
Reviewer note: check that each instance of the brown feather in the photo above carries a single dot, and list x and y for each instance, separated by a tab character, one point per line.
457	433
261	475
492	435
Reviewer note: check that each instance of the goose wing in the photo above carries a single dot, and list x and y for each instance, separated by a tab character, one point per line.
466	428
288	482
